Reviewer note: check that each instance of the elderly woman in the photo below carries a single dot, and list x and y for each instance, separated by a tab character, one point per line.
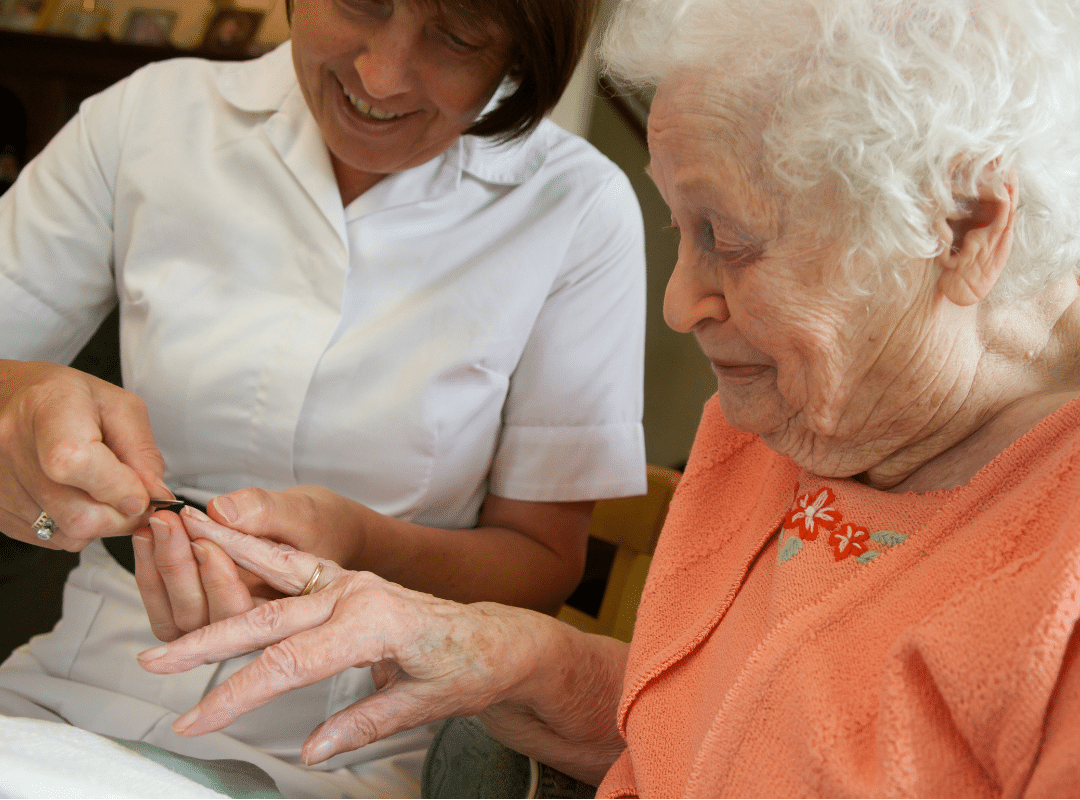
364	263
868	582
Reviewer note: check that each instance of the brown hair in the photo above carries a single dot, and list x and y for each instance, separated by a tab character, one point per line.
548	38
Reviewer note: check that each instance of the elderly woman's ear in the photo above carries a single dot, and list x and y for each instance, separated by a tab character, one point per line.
977	239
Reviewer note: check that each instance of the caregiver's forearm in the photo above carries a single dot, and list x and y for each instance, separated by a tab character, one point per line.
522	553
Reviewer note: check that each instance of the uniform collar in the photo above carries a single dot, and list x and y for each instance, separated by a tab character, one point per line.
260	85
264	85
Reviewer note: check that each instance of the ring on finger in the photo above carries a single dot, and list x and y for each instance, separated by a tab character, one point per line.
311	581
45	527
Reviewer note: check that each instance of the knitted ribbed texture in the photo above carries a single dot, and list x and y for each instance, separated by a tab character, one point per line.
884	645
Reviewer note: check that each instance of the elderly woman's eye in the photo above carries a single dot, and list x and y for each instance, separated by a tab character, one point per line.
739	256
733	253
708	236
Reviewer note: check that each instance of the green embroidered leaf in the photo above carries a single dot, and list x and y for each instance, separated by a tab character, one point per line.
790	549
868	556
889	538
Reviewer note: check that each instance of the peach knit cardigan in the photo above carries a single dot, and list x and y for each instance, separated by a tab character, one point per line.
801	636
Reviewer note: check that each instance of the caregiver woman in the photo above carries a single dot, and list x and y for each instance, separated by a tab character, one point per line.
363	262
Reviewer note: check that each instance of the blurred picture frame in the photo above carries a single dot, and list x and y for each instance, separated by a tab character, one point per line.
230	31
149	26
25	15
80	20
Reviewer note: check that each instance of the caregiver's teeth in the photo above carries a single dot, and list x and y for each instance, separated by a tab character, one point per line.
369	111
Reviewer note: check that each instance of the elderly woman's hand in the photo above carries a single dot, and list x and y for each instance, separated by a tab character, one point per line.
556	689
77	448
186	585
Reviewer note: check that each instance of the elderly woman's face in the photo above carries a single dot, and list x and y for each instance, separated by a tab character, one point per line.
393	83
823	376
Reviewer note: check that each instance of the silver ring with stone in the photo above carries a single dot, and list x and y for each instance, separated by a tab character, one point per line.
44	527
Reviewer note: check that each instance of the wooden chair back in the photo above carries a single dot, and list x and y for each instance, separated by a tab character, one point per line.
632	525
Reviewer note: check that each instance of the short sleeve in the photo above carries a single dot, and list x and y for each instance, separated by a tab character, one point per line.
572	423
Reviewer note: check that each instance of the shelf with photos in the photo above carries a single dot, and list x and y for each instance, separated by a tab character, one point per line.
52	58
218	27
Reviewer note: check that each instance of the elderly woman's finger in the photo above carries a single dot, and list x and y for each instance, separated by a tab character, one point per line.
259	628
402	706
179	571
155	596
299	660
226	594
286	569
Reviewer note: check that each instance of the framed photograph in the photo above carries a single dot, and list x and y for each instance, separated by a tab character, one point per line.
148	26
231	30
81	20
23	15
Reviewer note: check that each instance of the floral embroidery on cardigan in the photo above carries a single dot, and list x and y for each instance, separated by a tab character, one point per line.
808	517
813	513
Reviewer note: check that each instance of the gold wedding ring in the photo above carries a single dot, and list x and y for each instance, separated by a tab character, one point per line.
312	580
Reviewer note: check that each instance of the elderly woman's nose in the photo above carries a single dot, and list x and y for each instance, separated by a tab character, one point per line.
691	299
384	65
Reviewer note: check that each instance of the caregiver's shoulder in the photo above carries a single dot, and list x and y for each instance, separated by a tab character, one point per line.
567	159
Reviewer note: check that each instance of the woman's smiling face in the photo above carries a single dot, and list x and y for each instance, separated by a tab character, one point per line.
393	83
829	377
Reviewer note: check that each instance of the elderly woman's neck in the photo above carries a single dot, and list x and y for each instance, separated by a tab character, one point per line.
1029	369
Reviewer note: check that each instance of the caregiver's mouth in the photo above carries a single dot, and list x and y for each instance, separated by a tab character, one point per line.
370	111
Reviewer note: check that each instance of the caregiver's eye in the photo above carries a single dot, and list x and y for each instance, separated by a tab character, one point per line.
457	40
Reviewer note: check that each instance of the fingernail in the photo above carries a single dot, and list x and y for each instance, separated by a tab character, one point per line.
191	511
163	490
153	653
200	552
140	541
227	509
131	506
160	529
185	722
318	753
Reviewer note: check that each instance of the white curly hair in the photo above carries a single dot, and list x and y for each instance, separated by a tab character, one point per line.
902	104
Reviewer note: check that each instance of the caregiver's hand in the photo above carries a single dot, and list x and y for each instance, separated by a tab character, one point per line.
557	688
76	447
185	586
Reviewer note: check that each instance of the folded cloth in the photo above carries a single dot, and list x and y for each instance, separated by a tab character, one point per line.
52	759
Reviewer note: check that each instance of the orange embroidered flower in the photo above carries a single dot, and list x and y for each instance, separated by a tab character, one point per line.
849	540
813	514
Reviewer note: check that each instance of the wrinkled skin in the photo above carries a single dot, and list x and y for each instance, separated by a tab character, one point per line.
78	448
544	688
523	553
185	585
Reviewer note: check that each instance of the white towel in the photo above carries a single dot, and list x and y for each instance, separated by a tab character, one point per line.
51	759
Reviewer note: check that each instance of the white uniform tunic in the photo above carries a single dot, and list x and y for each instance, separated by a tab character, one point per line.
472	324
